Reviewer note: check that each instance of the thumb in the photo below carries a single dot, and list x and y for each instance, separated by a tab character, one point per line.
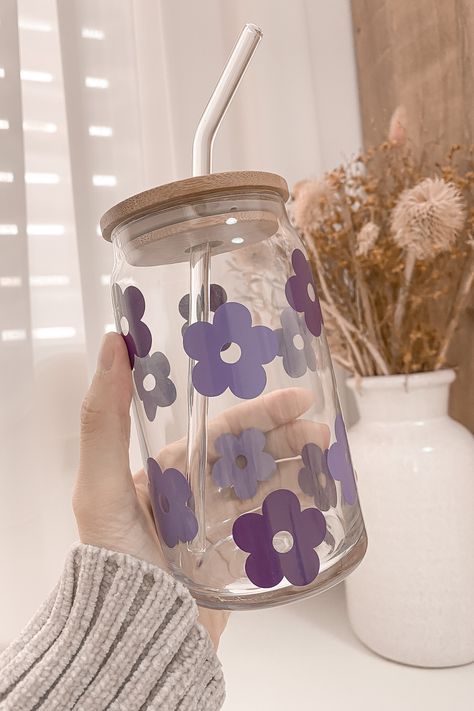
104	476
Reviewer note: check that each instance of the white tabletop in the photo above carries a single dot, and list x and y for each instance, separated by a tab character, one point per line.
304	656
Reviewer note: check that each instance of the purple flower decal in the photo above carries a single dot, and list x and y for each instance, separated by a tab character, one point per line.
243	462
339	462
217	296
315	478
281	541
130	305
295	344
301	292
170	494
205	343
162	392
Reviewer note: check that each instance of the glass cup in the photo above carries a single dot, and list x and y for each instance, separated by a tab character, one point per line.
250	475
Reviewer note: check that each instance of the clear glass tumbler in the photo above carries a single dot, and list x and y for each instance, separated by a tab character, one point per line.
242	437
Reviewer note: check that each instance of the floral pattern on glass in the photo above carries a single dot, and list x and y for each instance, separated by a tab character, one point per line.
217	297
295	344
315	479
129	306
301	292
281	541
205	343
339	462
170	495
243	462
162	393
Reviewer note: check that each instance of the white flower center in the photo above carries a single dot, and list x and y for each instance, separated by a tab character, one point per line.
149	382
282	541
298	341
311	292
124	327
231	354
241	461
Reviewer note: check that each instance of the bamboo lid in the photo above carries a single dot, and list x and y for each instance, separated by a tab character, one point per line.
189	190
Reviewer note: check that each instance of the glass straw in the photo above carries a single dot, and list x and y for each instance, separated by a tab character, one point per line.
199	275
222	96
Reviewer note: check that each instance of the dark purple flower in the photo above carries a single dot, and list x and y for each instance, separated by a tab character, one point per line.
205	343
315	478
339	462
129	306
170	494
301	292
295	344
162	392
281	541
243	462
217	296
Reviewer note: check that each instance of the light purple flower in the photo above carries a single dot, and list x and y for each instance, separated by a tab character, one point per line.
281	541
130	304
205	343
217	297
163	392
170	494
297	357
339	462
315	478
301	292
242	462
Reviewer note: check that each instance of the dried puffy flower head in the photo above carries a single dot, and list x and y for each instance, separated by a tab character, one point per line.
427	218
310	200
366	238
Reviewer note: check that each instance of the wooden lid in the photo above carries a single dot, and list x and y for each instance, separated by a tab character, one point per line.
189	190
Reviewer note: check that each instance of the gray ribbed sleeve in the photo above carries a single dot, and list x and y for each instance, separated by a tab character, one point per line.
117	633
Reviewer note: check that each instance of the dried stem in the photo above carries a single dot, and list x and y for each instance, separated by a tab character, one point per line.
378	358
365	300
410	261
335	313
346	364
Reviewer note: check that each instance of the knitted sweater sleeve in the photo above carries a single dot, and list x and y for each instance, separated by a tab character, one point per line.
116	633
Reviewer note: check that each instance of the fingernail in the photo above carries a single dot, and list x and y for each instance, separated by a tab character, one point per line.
106	354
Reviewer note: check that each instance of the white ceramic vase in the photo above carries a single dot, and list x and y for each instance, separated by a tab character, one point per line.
412	597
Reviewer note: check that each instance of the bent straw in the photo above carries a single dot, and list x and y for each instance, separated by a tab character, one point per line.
199	275
222	96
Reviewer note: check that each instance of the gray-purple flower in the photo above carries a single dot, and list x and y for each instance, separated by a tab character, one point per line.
157	390
315	478
301	292
129	307
242	463
205	343
281	541
339	462
217	297
295	344
170	494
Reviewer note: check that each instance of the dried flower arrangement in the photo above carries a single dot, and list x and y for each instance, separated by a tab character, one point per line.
390	241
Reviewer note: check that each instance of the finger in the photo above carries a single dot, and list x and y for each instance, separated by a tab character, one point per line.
265	412
289	439
104	469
